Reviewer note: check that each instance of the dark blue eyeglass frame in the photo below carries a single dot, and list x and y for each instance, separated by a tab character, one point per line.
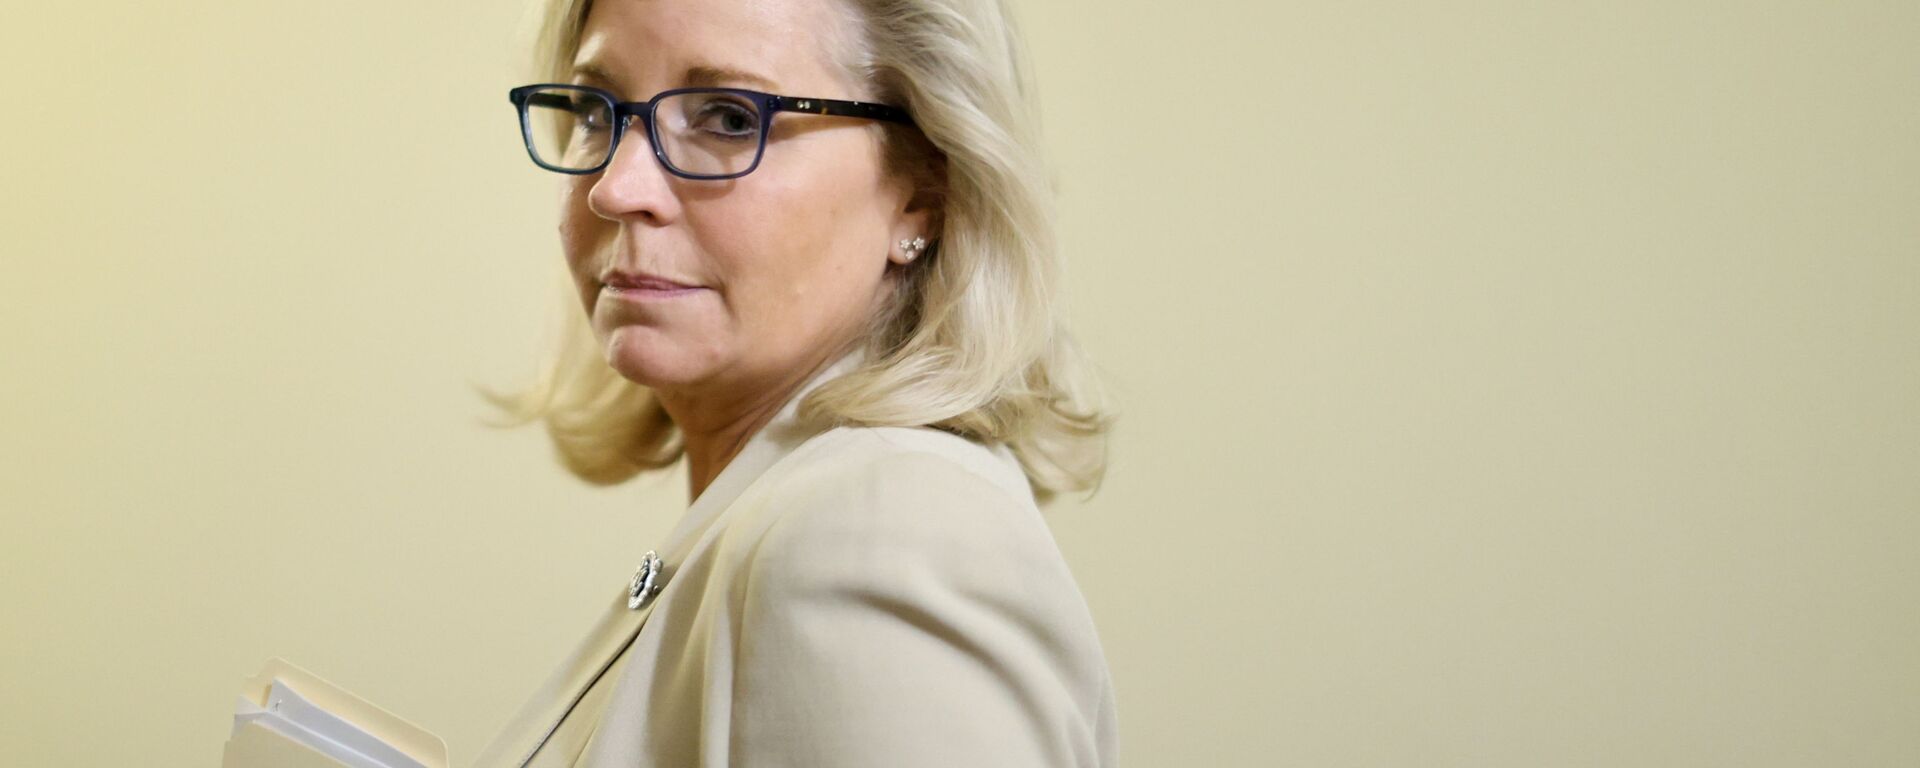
769	103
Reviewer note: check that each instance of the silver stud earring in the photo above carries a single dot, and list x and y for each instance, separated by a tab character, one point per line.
913	247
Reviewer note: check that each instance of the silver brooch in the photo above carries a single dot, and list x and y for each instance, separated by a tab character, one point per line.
646	581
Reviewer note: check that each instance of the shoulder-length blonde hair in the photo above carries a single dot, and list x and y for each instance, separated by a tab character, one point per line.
972	342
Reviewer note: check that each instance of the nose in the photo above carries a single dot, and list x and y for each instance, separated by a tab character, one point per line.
634	185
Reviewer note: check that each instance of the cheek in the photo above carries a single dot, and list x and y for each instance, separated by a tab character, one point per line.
576	220
803	273
580	233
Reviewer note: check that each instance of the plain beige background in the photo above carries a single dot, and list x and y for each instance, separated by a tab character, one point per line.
1503	383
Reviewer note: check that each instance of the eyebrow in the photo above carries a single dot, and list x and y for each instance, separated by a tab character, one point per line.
700	76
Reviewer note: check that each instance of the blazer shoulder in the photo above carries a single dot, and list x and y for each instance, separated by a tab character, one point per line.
888	453
898	605
893	491
890	490
891	564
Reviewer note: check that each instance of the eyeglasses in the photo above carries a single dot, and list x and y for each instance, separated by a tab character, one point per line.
697	133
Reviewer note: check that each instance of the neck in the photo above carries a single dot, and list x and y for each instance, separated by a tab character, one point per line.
717	421
714	435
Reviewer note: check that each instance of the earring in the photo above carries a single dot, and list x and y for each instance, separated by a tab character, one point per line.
912	247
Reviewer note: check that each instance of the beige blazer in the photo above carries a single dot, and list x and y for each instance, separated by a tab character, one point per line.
853	597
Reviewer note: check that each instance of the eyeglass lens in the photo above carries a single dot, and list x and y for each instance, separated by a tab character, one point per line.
700	132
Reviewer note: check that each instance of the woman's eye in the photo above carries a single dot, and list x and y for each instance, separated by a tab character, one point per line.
727	119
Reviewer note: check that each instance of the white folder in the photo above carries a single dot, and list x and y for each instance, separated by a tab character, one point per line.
287	717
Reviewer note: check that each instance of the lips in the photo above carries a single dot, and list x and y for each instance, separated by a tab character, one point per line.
645	282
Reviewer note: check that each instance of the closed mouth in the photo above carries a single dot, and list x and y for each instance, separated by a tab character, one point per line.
643	283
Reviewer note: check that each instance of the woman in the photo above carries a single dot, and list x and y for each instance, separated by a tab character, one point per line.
812	242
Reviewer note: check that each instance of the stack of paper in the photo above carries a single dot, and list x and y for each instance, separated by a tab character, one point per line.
287	717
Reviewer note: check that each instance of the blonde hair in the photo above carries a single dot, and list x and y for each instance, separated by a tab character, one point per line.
971	343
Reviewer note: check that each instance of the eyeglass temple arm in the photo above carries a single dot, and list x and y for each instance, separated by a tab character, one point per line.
842	108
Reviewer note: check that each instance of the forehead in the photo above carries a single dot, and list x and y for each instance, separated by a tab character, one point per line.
640	47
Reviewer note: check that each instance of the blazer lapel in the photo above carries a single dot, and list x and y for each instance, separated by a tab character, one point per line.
530	728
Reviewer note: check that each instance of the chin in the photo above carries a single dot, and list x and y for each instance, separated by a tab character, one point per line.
646	356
